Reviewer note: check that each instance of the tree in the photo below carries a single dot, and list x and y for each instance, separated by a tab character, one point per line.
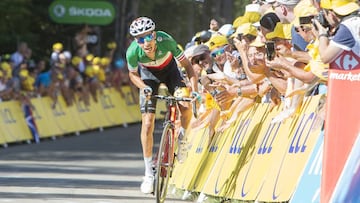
28	20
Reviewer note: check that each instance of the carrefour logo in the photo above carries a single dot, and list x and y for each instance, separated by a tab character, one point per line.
79	12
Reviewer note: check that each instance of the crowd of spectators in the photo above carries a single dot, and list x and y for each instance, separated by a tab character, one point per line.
269	54
76	77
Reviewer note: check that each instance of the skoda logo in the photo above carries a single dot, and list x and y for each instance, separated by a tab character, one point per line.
59	10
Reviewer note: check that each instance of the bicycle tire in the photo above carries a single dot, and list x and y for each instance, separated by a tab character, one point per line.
165	162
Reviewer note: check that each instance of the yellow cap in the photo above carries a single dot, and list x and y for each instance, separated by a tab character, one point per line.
75	60
344	7
57	46
89	57
5	66
111	45
96	60
305	8
24	73
257	42
216	41
246	29
277	33
248	17
105	61
237	22
252	17
325	4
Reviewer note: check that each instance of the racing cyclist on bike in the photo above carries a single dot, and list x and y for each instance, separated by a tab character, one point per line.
151	61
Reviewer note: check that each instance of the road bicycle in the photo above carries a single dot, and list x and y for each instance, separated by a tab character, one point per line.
164	160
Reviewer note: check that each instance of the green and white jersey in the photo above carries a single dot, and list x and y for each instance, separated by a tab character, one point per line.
166	50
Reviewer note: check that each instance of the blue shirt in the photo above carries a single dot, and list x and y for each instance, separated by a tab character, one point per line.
43	79
297	41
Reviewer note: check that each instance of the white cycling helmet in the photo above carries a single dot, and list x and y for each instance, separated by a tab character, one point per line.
141	25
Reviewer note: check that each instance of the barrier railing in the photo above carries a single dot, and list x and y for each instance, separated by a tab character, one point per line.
110	110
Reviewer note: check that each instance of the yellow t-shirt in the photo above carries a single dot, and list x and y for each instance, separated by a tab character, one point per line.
315	65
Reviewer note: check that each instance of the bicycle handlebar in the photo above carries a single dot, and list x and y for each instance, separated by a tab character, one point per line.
177	99
172	98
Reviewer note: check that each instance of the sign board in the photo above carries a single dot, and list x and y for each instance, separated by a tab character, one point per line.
82	12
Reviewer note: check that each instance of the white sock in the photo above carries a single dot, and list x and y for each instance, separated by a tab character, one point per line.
148	166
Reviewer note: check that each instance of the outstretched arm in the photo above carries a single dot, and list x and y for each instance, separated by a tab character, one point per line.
190	73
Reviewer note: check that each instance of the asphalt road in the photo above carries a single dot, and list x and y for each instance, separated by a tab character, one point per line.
94	167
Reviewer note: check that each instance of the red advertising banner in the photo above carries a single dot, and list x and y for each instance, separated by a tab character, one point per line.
342	126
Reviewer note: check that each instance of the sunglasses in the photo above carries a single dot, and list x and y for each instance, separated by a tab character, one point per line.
217	52
303	28
147	38
197	59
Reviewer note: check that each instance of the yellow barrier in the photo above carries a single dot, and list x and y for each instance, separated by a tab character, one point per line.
254	159
284	174
13	125
110	110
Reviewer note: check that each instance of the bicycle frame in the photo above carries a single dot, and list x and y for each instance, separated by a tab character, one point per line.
166	153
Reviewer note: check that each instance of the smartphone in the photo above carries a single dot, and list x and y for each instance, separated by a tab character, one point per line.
305	20
270	50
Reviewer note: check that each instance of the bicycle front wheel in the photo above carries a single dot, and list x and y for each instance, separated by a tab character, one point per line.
164	163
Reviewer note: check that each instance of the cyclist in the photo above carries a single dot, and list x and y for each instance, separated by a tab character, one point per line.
151	61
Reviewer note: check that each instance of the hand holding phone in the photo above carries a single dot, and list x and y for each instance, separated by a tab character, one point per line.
270	50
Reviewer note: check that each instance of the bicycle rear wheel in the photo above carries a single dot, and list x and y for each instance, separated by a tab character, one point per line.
165	162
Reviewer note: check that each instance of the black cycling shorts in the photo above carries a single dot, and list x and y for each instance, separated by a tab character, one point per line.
170	76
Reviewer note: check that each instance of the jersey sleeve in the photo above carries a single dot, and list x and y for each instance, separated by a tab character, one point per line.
171	45
132	58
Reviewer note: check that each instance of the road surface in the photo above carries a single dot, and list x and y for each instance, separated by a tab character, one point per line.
94	167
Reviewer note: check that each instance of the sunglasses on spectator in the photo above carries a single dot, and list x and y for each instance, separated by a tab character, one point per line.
147	38
217	52
303	28
197	59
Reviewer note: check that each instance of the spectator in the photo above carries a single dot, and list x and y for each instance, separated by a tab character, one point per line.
287	66
19	55
345	40
43	79
57	49
285	11
214	26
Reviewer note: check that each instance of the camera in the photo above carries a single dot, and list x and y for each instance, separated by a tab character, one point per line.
306	20
322	20
239	36
270	50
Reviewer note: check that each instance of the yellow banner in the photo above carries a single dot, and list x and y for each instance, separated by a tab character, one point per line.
13	125
110	110
217	143
187	171
221	180
106	106
44	119
128	107
284	174
250	176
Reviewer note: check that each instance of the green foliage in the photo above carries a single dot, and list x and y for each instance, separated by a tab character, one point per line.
28	20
